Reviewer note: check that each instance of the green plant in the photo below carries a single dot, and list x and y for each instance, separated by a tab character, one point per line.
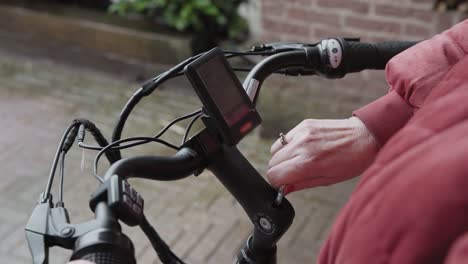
218	17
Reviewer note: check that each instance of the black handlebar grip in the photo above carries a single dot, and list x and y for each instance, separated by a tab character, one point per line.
105	256
104	246
358	56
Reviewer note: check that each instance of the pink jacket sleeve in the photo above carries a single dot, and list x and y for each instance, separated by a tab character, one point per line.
458	253
411	75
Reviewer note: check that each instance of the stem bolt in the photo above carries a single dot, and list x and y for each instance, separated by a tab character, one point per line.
265	224
67	231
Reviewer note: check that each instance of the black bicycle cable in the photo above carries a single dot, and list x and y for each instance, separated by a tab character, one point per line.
195	113
163	250
86	125
189	127
147	88
62	174
107	148
237	69
53	168
159	134
241	69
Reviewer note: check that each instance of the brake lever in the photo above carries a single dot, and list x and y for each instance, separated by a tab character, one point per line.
279	47
50	226
276	47
298	71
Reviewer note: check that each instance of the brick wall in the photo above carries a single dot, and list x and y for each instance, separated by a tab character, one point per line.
373	20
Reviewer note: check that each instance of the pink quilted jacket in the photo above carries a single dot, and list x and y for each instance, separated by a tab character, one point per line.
411	205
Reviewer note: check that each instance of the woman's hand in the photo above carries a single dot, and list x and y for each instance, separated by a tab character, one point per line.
321	152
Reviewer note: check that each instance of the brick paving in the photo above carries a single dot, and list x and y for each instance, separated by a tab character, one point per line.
197	217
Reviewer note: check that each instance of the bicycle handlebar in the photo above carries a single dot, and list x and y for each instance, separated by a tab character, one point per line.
183	164
332	58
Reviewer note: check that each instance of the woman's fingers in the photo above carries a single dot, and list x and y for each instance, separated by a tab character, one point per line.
278	145
289	137
289	171
312	182
285	153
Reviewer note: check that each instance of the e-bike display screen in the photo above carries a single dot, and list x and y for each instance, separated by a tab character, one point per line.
231	113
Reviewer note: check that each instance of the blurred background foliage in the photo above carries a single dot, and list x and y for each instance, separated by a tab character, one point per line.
209	22
218	16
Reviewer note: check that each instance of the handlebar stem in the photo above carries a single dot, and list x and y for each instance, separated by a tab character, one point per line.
255	196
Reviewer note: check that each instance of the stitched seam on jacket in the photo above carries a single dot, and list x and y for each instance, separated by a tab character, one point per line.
421	79
456	43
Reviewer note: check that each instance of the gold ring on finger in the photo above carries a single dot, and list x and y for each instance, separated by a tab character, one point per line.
283	139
